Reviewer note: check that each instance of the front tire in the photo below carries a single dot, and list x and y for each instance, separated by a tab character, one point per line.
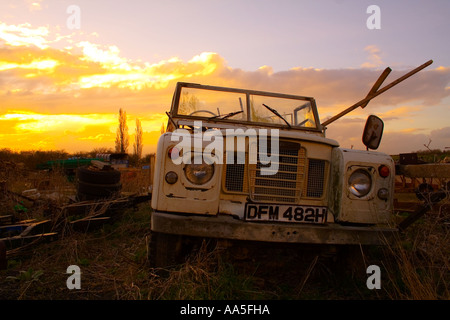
165	250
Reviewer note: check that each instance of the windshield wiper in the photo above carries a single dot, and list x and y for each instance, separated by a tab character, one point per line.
275	112
226	116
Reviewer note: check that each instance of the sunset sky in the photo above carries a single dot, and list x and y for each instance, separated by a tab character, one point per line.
67	67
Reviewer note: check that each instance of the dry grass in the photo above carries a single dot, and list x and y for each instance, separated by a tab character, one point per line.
419	261
112	259
114	265
135	181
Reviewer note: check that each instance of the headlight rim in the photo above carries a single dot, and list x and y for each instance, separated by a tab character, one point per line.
359	193
202	181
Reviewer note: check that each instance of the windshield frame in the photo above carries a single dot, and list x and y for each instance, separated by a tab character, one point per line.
248	93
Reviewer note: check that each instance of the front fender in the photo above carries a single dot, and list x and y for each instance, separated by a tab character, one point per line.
369	209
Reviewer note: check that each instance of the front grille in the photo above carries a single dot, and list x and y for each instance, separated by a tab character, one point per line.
296	177
316	178
286	184
234	177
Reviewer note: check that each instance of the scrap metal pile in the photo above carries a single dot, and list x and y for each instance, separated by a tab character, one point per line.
98	199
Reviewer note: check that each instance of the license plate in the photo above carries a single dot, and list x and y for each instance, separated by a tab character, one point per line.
285	213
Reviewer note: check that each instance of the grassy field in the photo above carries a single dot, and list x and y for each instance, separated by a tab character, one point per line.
114	264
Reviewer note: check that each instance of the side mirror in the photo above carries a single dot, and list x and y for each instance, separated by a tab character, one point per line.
373	132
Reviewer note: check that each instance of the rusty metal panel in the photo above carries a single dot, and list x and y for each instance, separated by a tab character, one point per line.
227	227
369	209
431	170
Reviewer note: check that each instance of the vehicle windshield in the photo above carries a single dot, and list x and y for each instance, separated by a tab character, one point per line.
236	105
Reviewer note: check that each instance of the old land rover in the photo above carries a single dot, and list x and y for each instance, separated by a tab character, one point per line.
239	164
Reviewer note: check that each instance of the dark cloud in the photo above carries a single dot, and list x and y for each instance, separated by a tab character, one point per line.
346	86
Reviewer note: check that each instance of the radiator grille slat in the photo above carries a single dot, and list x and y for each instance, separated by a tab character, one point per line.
286	184
297	177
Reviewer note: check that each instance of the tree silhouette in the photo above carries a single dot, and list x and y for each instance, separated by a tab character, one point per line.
137	146
122	133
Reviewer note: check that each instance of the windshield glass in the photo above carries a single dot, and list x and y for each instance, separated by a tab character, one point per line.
246	106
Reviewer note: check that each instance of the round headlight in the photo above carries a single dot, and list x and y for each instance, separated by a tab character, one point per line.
360	183
199	173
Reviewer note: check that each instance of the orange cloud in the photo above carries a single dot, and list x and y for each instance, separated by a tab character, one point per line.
374	57
69	98
24	34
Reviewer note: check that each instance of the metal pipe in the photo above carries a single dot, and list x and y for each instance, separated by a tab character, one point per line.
370	96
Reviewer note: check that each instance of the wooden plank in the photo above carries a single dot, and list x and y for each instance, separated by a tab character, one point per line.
18	241
86	224
21	226
100	164
7	219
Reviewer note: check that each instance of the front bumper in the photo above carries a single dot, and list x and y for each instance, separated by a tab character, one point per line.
227	227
